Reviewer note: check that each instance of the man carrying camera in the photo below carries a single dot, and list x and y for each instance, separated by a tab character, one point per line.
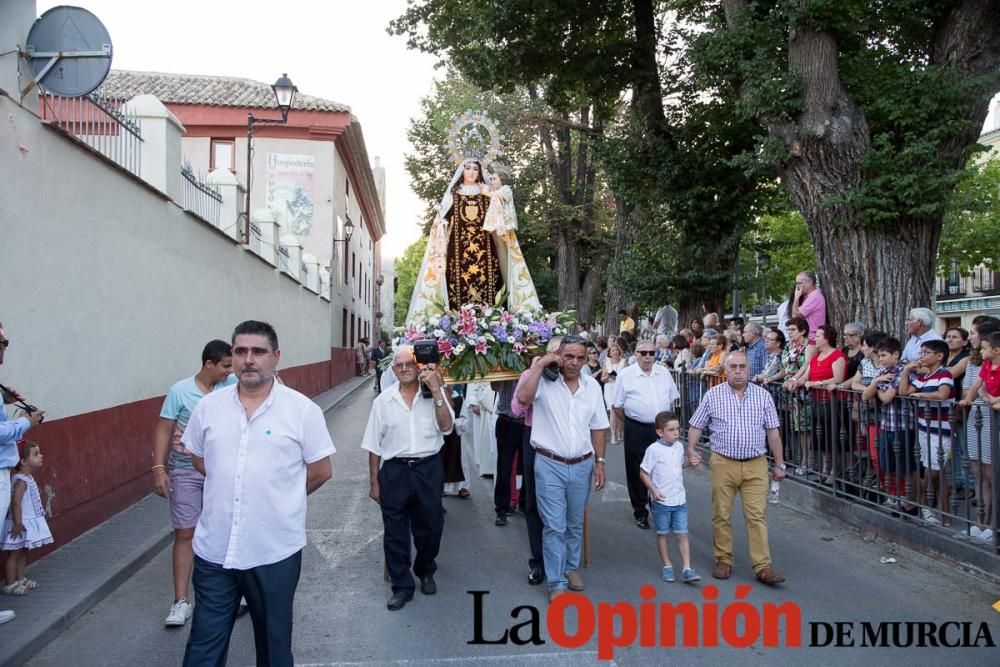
405	432
568	424
11	430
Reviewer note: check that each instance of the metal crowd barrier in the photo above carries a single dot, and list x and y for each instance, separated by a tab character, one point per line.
878	455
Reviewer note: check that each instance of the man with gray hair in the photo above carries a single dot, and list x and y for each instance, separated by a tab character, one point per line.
753	345
920	326
808	302
404	434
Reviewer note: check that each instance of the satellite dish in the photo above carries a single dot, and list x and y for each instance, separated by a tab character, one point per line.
68	51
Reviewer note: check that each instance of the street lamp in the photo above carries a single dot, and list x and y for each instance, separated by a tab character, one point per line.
348	230
284	94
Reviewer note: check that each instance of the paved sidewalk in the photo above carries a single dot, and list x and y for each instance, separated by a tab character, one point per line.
82	573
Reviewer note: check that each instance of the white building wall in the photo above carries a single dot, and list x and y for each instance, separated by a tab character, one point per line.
111	290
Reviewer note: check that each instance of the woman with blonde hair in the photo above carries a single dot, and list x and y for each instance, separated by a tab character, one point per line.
613	366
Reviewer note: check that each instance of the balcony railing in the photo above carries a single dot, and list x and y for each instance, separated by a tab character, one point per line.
99	122
985	280
947	286
200	197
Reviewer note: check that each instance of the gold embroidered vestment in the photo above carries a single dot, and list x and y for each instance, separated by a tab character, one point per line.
473	268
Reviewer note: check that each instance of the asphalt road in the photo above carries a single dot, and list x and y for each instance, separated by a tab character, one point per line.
834	575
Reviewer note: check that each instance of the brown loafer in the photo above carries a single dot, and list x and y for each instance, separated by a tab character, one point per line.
769	577
722	570
575	581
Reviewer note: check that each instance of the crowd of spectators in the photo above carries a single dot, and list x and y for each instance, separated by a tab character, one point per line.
921	406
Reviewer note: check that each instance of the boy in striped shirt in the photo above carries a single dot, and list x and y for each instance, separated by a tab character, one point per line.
932	387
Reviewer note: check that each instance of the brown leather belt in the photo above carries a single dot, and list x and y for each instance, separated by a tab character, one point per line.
562	459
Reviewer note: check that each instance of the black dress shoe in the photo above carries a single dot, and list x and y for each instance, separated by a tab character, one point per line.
427	585
242	611
398	601
501	519
536	576
642	522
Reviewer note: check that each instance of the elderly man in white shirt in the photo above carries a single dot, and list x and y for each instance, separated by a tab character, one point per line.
644	390
920	326
567	434
262	448
405	432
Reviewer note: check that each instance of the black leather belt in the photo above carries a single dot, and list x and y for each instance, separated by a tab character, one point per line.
562	459
636	421
410	460
519	420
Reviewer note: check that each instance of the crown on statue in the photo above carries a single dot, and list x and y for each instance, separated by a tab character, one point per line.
474	135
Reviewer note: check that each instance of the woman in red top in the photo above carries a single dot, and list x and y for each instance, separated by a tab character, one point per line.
826	371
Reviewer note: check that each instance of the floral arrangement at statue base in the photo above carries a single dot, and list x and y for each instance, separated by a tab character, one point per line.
486	343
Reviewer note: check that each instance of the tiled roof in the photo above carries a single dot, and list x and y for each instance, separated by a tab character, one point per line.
221	91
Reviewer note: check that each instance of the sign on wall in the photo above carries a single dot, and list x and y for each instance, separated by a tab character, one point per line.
291	189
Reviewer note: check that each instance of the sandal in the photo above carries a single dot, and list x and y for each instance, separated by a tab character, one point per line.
16	588
464	493
30	584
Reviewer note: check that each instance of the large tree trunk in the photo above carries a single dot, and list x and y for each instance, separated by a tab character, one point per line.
870	274
568	268
875	276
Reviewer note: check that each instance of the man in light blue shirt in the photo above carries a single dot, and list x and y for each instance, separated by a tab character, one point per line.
174	476
11	430
754	347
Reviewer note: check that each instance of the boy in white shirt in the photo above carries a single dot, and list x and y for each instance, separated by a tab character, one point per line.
660	471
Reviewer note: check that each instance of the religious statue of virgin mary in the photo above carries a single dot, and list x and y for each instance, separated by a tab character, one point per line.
472	252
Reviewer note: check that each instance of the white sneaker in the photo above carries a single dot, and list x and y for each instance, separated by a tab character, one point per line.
6	616
180	612
974	531
986	534
928	516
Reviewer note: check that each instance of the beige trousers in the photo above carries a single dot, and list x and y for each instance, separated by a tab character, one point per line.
750	479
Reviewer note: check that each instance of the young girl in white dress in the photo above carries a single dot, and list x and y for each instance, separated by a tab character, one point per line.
25	527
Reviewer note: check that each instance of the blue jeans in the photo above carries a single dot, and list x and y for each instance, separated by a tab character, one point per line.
269	591
670	518
562	491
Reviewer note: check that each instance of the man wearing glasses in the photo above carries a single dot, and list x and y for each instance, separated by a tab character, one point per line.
643	390
404	434
11	430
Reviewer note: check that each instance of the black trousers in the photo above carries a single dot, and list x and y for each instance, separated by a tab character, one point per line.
410	498
269	591
510	435
638	436
534	519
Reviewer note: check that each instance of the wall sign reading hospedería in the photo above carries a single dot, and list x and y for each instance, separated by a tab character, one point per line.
291	189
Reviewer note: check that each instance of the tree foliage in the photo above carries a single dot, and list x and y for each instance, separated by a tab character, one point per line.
407	268
972	221
869	112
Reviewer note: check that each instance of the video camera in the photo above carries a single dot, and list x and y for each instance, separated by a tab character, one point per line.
426	352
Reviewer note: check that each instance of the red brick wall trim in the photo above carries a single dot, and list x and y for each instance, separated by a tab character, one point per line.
97	463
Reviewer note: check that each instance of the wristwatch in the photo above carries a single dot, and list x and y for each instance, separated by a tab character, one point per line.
439	403
782	466
601	459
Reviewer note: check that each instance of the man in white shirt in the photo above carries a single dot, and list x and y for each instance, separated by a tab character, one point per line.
644	390
405	432
920	326
567	434
262	448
